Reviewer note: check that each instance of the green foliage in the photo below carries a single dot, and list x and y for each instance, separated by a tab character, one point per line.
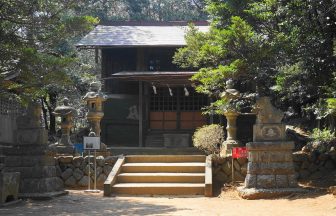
324	135
142	10
38	45
285	49
331	105
233	50
209	138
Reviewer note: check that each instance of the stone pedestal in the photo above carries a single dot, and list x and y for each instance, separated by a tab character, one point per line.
270	170
29	156
38	170
231	128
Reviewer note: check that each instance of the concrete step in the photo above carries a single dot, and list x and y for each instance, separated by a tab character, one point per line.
164	158
159	188
196	167
161	178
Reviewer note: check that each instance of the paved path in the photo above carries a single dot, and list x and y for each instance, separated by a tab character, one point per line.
79	203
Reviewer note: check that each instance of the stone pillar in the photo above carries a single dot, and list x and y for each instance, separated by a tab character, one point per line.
270	170
30	157
231	128
67	114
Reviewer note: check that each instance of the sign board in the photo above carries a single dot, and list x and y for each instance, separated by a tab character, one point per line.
239	152
91	143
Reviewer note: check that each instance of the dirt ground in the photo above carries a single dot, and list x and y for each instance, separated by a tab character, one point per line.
227	203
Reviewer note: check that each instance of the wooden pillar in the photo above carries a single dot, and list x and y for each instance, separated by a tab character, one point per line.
140	114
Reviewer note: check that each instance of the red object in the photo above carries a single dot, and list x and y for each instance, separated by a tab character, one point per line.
239	152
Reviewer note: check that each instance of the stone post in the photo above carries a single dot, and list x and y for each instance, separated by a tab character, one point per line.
67	114
270	170
94	99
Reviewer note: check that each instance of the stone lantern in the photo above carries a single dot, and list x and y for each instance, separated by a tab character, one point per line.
94	99
67	113
231	114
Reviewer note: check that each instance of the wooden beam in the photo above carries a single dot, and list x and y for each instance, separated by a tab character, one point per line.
140	114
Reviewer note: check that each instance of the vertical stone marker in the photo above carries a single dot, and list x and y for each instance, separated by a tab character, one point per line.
270	170
29	156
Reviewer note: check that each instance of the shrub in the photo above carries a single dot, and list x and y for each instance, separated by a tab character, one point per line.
209	138
322	141
324	135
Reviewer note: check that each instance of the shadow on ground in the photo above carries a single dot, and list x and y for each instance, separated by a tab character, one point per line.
81	204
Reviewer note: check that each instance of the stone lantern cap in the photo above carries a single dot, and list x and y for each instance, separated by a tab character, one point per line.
94	93
230	92
65	109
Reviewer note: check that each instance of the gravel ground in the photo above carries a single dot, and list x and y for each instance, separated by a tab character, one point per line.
228	203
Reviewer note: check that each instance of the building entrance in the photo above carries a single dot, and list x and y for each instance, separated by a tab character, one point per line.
177	108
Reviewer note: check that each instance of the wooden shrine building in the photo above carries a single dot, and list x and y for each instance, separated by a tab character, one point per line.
151	101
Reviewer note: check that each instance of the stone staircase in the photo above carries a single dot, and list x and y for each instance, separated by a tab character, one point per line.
160	175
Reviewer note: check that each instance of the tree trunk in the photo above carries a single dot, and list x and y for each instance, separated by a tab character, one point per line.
51	108
44	111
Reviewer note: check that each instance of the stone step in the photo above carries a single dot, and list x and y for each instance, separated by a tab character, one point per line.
164	158
159	188
154	151
195	167
161	178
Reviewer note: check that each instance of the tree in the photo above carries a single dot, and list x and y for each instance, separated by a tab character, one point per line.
142	10
232	49
37	40
286	49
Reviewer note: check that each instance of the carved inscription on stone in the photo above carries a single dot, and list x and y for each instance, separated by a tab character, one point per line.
271	133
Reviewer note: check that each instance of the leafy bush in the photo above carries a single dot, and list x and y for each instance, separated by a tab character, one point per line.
209	138
324	135
322	141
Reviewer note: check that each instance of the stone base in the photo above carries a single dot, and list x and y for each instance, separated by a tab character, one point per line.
57	149
254	193
176	140
65	140
10	203
38	169
42	196
227	147
9	186
270	165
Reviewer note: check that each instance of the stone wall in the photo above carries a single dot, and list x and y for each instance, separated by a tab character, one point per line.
314	165
222	169
74	171
307	166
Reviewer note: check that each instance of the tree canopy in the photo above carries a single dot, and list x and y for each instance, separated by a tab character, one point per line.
284	49
37	43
